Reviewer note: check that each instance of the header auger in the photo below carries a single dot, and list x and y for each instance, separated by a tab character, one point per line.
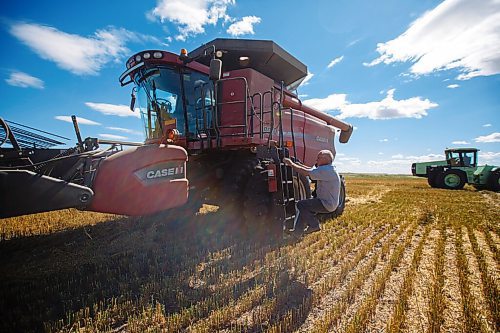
222	116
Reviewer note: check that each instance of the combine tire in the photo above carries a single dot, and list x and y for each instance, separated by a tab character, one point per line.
260	210
494	182
231	196
451	180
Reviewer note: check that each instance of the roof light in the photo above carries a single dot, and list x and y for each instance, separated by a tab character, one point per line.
184	52
138	58
146	55
244	58
157	55
218	54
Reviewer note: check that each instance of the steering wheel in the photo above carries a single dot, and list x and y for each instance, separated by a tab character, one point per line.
164	102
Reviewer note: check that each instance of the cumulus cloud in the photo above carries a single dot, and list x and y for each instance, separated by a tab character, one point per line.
387	108
463	142
493	137
453	86
124	130
396	164
113	137
489	156
334	62
80	120
191	17
244	26
23	80
78	54
113	110
457	34
487	125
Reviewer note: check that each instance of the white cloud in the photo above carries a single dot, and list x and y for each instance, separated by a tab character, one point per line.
397	164
243	27
113	137
306	80
383	140
457	34
330	103
460	142
493	137
487	125
334	62
354	42
113	110
77	54
124	130
489	157
388	108
80	120
453	86
190	17
23	80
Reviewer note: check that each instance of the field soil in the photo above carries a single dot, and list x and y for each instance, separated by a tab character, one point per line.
403	257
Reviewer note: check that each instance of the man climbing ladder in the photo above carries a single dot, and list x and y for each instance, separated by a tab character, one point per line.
327	192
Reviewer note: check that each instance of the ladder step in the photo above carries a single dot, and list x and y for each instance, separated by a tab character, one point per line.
290	200
288	182
289	217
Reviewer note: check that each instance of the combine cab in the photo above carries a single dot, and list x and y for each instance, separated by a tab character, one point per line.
229	106
459	168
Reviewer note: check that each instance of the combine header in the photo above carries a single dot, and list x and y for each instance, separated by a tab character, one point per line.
229	105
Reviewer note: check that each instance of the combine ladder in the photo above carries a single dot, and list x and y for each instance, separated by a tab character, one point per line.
289	192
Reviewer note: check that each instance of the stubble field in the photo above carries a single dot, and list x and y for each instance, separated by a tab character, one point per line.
402	258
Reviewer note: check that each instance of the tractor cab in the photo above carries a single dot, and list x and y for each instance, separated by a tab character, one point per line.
462	157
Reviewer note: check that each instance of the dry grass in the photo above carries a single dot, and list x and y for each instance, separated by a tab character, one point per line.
401	248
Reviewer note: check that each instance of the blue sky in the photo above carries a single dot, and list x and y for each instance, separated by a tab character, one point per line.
413	77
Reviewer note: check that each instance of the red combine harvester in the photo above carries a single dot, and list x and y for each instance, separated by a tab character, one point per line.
229	106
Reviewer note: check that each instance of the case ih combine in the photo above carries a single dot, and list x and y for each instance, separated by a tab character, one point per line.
218	123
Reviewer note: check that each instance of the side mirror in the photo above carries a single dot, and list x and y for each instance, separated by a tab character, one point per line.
132	101
215	69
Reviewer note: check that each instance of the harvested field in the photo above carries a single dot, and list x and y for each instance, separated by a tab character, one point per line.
402	258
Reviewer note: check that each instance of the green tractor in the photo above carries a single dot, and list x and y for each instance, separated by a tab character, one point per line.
459	168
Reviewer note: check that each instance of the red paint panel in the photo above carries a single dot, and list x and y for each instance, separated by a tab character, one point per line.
141	180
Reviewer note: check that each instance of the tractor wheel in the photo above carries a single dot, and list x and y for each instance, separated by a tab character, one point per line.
431	180
340	209
451	180
494	181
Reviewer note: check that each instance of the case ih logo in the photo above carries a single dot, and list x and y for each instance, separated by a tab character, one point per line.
160	172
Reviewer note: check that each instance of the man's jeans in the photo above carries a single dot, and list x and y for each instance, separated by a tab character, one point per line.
306	214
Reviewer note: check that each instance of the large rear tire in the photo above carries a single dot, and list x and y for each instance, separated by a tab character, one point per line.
231	194
452	179
494	181
431	180
260	209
